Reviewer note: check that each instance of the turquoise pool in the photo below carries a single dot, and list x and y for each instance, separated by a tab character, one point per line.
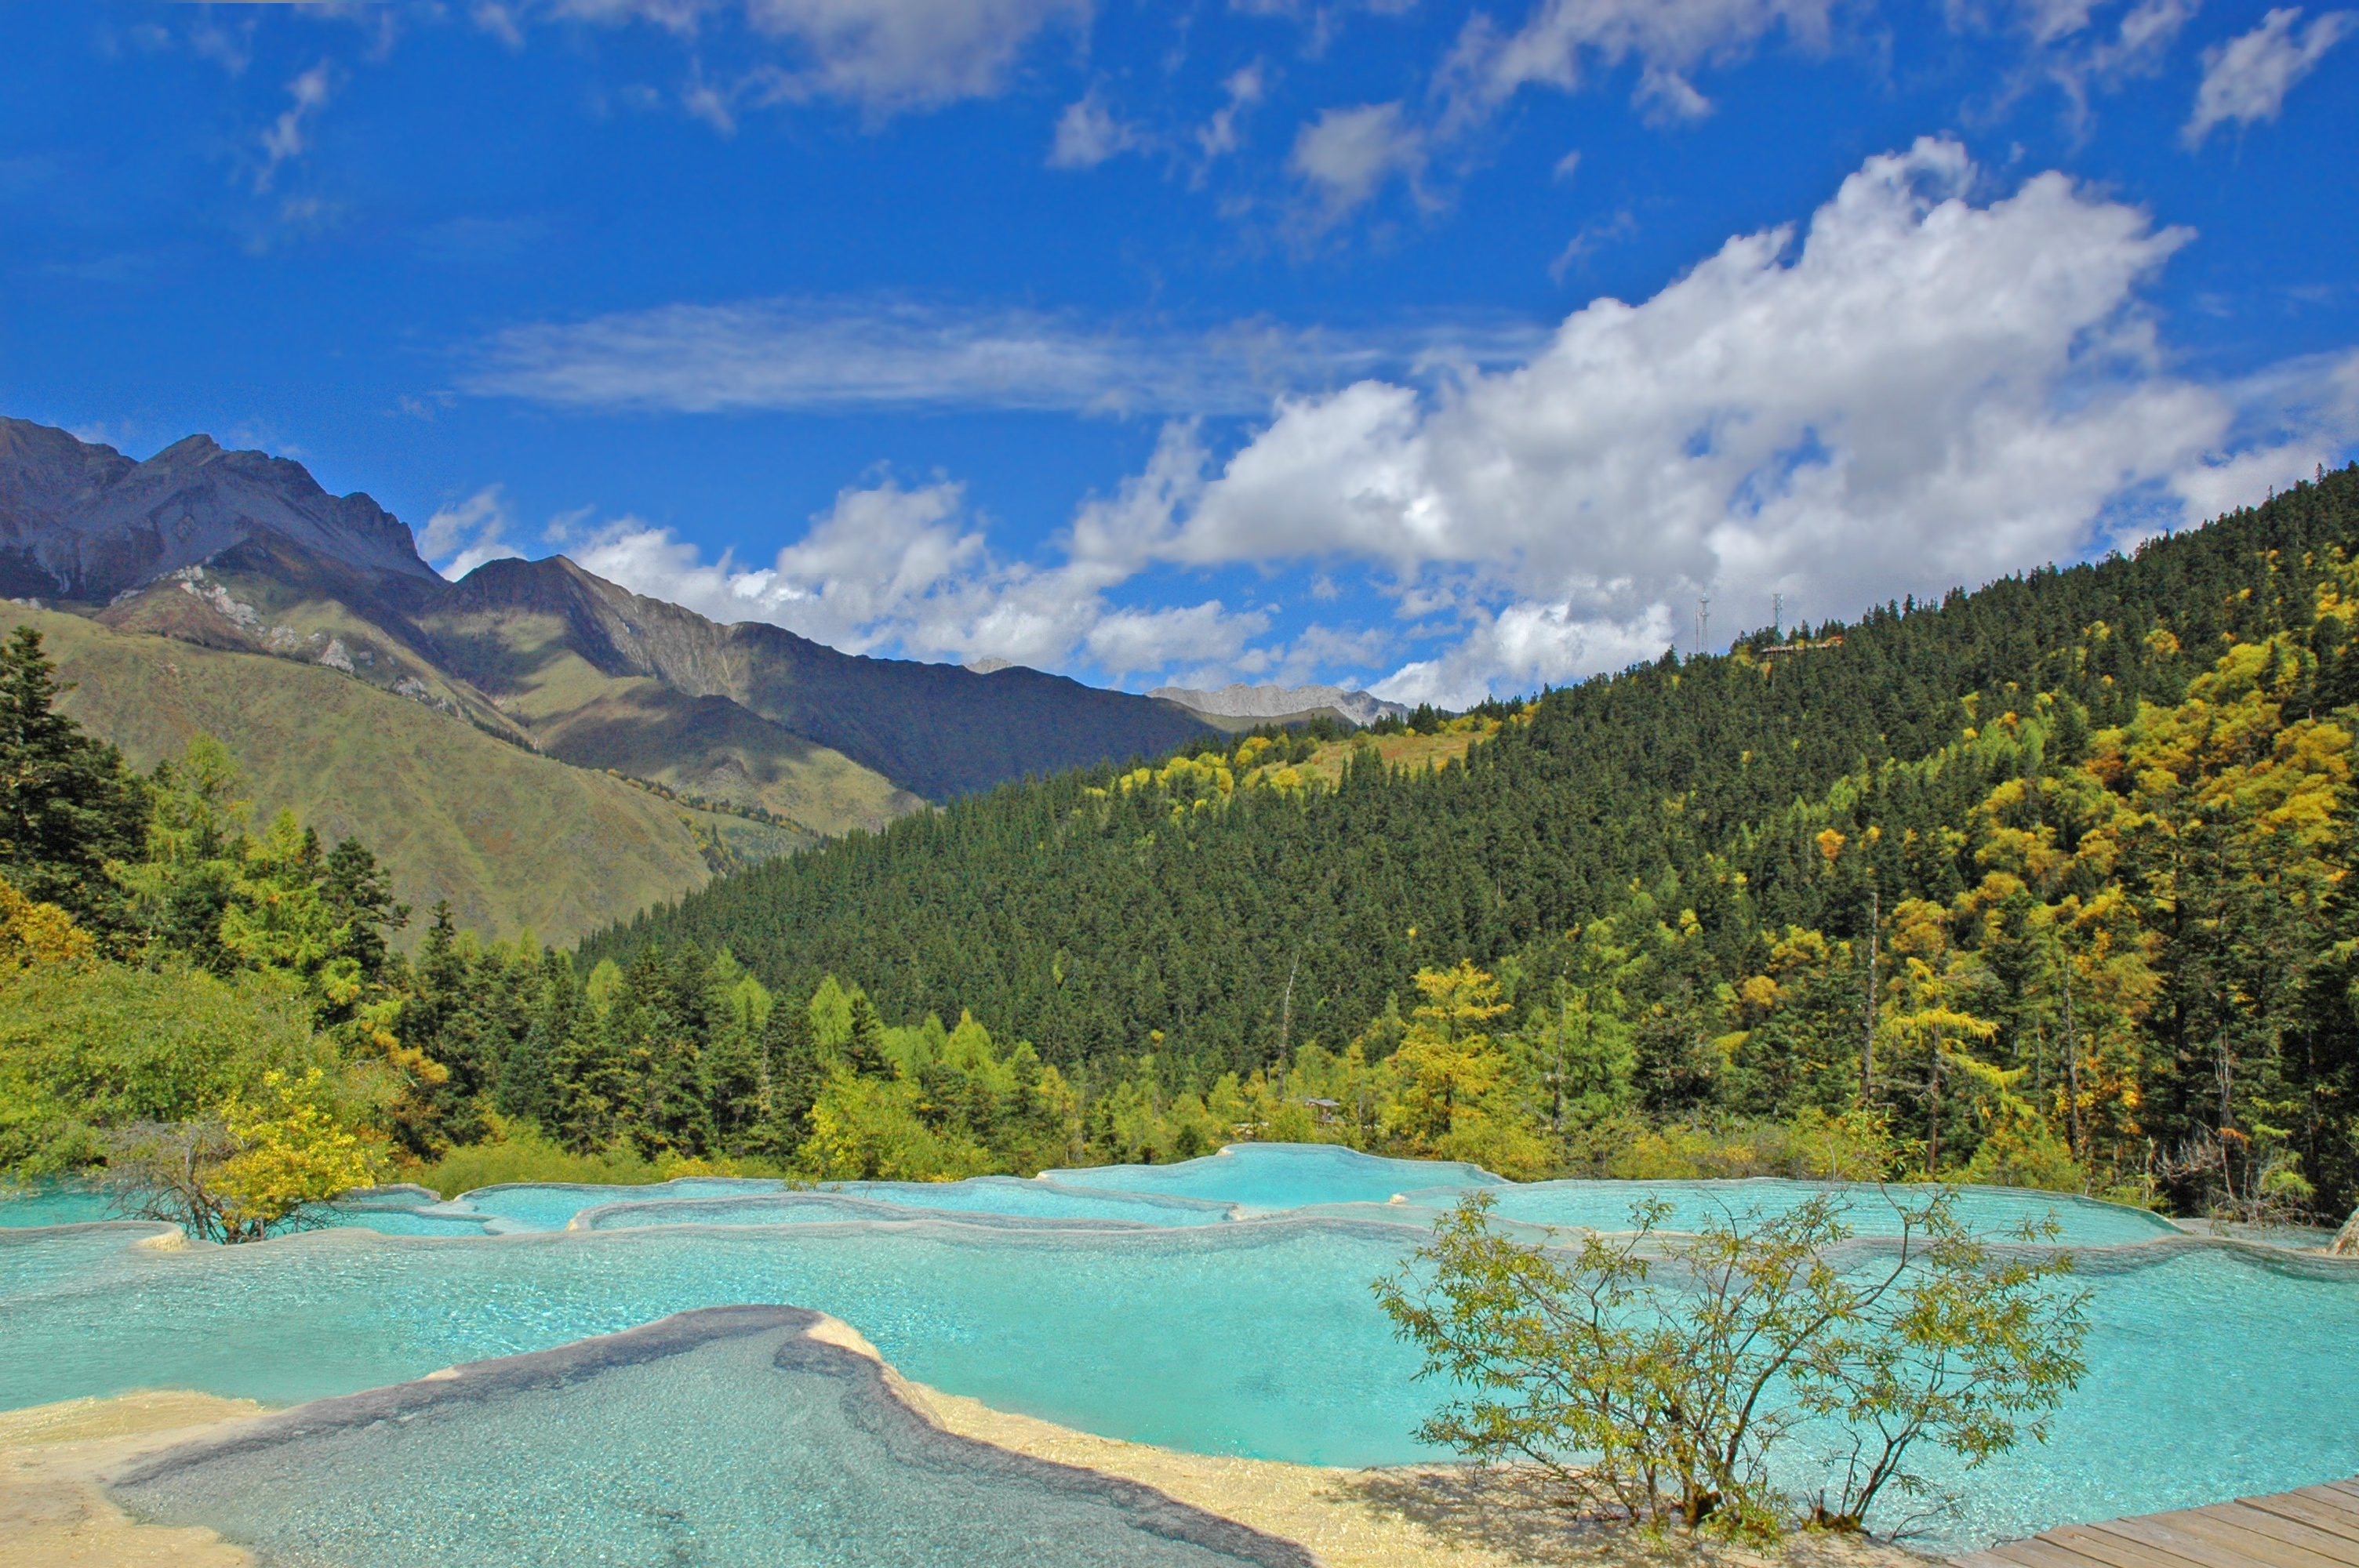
1187	1305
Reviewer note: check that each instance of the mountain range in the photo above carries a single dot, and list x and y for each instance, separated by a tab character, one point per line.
1280	704
350	656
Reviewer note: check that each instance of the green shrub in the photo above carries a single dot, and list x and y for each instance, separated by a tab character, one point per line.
520	1152
90	1046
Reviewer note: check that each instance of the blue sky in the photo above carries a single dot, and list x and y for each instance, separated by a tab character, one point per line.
1439	349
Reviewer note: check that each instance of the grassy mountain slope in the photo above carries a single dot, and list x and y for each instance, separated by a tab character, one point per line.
1093	922
241	551
550	666
515	674
512	839
937	730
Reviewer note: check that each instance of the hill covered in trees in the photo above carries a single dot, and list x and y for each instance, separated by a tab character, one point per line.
2051	868
2040	885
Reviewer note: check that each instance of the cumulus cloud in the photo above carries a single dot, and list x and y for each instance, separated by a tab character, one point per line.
2247	78
1669	40
826	355
1925	384
1915	392
887	567
1348	154
465	534
909	571
1127	640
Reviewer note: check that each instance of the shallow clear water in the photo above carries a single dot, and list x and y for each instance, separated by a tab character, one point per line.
2214	1370
721	1439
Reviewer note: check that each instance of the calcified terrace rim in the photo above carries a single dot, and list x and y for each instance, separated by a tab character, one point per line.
1371	1220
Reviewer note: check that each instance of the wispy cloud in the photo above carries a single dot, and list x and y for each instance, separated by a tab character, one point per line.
831	355
1349	155
290	134
1088	134
2247	78
886	56
463	535
1669	40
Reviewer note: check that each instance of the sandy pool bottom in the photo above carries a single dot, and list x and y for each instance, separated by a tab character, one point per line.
56	1461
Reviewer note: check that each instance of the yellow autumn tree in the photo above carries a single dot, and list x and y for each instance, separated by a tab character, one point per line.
1456	1095
36	936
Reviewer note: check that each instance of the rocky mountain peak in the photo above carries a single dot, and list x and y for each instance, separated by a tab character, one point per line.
81	521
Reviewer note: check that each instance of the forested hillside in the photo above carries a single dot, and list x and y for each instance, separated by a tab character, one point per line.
2090	824
2043	885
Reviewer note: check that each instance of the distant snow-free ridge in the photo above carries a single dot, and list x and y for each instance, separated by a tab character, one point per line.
1241	701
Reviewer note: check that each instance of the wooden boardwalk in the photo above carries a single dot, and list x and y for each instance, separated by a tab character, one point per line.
2317	1527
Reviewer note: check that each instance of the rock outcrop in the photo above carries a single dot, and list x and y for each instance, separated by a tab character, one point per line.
1243	701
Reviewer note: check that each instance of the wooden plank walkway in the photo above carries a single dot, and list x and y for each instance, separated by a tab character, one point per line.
2317	1527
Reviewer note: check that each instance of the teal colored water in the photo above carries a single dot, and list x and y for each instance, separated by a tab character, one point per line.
2215	1370
1044	1197
1279	1176
25	1207
824	1207
551	1205
1254	1338
1607	1205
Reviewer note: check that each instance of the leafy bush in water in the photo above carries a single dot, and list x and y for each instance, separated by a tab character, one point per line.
264	1165
1663	1379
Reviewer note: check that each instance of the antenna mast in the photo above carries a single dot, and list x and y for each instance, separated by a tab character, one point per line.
1704	622
1778	616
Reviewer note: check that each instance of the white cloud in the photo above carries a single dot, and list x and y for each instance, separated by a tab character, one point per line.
1222	133
1922	386
1916	392
2139	46
827	355
887	567
899	54
1129	641
1088	135
466	534
500	22
290	134
886	56
907	570
2247	78
1348	154
1668	38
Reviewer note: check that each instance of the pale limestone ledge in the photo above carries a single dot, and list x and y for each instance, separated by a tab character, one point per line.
55	1460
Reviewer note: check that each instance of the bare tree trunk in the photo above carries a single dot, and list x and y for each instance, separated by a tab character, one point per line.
2346	1241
